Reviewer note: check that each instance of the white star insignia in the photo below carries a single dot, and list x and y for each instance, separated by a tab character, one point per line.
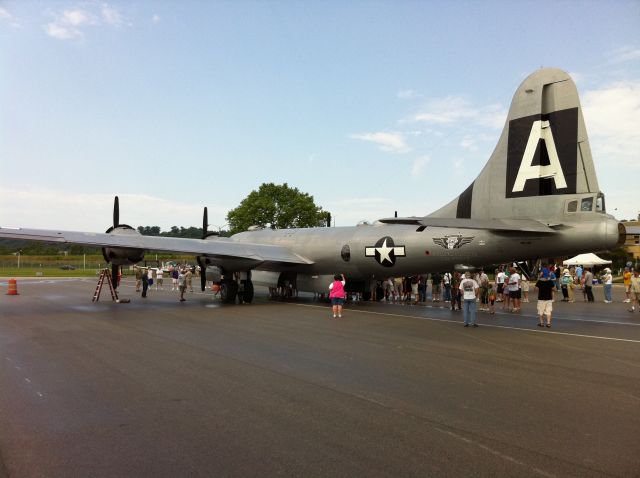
384	251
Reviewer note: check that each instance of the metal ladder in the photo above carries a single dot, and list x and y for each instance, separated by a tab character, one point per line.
104	273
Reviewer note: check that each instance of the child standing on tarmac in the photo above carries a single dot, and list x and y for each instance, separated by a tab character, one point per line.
337	294
491	297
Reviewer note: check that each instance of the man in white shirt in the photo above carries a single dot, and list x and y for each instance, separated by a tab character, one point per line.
446	281
500	276
514	289
469	289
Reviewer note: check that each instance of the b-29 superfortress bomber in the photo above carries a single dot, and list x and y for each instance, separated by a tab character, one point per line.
537	196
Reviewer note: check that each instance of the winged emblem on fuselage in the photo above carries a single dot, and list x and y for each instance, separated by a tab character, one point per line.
455	241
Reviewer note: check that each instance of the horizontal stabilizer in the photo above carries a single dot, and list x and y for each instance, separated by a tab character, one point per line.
519	225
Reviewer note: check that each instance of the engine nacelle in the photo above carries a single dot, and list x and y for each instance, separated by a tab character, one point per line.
122	256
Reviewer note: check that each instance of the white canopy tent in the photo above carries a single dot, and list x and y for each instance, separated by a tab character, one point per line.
587	260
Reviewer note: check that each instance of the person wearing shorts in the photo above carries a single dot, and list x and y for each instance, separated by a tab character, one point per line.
159	279
514	290
337	294
546	288
174	278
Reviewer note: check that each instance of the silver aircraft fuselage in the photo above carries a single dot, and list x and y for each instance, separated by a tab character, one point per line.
361	252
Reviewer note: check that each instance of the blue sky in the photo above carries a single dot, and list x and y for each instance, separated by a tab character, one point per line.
370	107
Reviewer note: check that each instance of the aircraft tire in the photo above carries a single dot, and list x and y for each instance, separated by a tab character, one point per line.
228	291
247	295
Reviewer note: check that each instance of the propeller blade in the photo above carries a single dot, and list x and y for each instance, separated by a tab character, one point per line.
114	275
116	212
205	224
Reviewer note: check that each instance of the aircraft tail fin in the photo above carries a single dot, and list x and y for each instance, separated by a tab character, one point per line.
541	168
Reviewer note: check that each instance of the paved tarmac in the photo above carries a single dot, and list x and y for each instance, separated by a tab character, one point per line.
159	388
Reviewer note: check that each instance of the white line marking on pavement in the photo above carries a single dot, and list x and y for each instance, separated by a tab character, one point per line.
457	322
27	380
492	451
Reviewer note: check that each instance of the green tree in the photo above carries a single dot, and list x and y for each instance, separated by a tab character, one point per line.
149	230
278	207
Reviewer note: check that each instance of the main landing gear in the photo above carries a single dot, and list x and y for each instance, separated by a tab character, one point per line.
240	286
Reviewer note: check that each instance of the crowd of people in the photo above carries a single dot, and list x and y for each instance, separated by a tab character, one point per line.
181	279
462	292
508	287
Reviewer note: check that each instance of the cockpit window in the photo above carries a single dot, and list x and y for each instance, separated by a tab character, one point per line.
572	206
600	203
587	205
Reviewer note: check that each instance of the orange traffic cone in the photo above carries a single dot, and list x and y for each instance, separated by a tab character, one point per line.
13	287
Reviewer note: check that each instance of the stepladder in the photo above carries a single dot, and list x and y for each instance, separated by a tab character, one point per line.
105	276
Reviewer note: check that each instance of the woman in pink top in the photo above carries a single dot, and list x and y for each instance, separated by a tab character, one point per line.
337	295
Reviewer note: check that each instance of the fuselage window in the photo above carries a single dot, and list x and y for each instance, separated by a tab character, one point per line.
572	206
587	205
600	203
345	253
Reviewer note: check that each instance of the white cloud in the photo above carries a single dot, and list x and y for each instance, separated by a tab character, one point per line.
68	24
350	211
406	94
72	24
612	117
419	165
60	209
6	17
155	19
61	32
111	16
455	109
76	18
576	77
469	143
624	54
389	142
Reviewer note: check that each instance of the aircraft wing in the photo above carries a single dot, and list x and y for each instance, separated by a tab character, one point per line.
517	225
223	248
